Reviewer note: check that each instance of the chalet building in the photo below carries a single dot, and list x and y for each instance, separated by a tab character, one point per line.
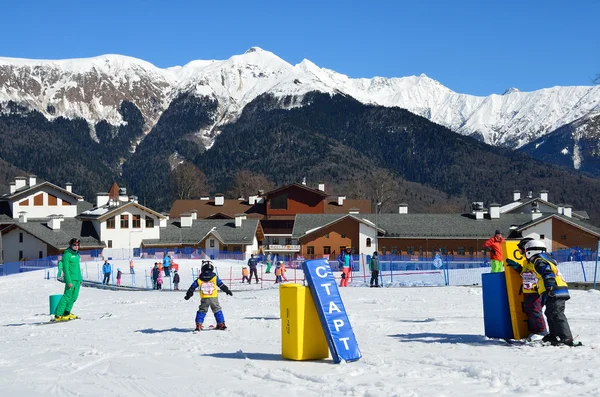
525	204
424	234
276	210
211	235
39	219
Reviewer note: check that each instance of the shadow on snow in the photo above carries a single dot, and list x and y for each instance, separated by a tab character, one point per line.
430	337
158	331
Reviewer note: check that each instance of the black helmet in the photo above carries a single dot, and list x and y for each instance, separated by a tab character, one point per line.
375	253
207	267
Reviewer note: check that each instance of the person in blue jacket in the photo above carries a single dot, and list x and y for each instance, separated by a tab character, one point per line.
208	282
106	270
167	265
252	264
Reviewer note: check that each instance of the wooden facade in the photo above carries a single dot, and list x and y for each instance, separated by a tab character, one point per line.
330	239
293	199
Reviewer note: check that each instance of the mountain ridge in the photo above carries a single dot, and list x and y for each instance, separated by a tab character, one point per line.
92	88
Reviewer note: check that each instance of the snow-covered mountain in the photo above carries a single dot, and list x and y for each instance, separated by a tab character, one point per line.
93	88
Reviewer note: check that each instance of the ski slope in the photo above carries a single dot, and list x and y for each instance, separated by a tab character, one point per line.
419	341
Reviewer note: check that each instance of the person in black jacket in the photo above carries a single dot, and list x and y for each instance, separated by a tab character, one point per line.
176	281
252	263
155	274
208	282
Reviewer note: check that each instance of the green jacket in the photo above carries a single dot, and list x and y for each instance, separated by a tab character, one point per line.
71	263
374	264
60	269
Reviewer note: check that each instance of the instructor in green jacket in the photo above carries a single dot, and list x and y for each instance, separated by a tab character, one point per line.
72	275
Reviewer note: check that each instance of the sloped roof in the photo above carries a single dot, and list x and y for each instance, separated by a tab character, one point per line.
570	220
224	230
332	207
59	239
28	190
106	211
420	225
207	208
297	185
516	205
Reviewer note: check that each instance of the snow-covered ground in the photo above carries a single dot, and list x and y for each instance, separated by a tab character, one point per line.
419	341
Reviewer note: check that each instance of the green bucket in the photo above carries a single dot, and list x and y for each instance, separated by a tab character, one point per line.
54	299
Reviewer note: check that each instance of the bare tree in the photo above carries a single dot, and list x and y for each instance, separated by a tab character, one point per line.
190	182
597	79
246	183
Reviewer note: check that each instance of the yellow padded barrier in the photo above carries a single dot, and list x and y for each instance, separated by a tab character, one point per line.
302	336
513	288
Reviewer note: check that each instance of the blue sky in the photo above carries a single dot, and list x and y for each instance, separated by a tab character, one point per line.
475	47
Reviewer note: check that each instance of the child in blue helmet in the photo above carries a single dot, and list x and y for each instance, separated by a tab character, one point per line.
119	273
208	282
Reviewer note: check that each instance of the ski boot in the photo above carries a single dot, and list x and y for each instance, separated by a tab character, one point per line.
60	318
70	316
221	326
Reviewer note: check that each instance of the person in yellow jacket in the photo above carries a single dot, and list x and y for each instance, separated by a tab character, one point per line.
553	290
208	282
72	277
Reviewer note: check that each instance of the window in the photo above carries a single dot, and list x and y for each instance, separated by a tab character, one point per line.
149	222
52	200
24	203
327	250
342	248
310	250
343	235
410	250
542	236
110	223
38	200
394	250
211	243
471	251
368	241
276	240
563	237
41	254
124	221
326	235
20	255
136	221
109	243
20	237
279	202
460	250
444	250
288	241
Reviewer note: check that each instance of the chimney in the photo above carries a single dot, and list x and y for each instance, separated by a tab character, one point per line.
186	219
403	208
530	194
219	199
205	198
568	211
252	200
238	219
22	217
544	195
478	210
69	187
32	180
560	208
516	195
134	199
241	198
165	221
304	181
535	213
354	210
322	187
13	187
101	199
123	194
194	214
341	200
20	182
494	211
55	221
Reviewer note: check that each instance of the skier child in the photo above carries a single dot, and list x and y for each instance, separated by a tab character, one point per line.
208	282
279	272
119	273
553	290
533	305
159	281
176	280
245	274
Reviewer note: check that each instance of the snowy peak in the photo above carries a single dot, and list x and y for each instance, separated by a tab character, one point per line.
93	88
